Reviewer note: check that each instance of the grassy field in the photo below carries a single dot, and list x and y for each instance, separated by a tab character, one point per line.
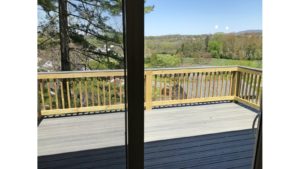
222	62
228	62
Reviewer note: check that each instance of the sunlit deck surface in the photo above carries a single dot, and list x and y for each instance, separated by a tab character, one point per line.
196	136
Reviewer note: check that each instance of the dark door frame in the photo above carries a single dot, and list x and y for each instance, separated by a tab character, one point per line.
133	26
257	162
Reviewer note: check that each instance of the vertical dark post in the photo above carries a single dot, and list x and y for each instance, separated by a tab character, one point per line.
134	54
257	162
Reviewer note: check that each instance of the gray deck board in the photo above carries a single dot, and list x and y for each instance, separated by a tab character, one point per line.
203	136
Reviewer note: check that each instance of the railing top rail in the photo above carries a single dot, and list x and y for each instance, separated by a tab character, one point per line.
120	72
250	68
84	71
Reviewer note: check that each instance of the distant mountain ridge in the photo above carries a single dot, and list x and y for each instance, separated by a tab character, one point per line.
182	35
250	31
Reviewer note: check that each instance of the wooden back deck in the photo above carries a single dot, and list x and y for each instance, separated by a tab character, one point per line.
196	136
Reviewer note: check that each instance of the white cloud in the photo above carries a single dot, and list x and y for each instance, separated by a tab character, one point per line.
216	26
227	28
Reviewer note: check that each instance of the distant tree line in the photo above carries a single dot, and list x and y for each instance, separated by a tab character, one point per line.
242	46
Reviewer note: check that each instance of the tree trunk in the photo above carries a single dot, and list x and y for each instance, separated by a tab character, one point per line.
64	42
64	36
206	43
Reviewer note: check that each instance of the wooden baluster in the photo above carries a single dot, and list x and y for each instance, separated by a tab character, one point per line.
103	91
215	88
42	94
250	86
74	93
226	83
213	84
92	91
237	82
41	88
120	91
62	94
155	87
193	91
209	82
258	90
243	87
188	85
254	87
68	93
165	87
49	94
160	87
199	84
86	92
196	81
222	83
204	84
218	83
230	83
192	78
179	78
228	80
247	84
170	87
98	91
80	92
109	92
115	90
55	93
184	76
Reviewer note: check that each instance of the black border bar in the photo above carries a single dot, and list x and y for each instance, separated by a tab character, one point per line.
133	19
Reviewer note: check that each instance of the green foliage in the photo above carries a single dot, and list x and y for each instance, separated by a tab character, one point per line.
100	65
221	62
92	34
163	60
230	62
47	5
243	46
215	48
191	49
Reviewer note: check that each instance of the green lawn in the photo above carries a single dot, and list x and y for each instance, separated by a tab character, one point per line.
228	62
222	62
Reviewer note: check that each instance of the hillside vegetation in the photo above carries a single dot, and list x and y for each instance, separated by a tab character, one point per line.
244	48
219	49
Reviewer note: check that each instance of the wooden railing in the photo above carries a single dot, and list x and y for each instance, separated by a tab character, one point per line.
72	92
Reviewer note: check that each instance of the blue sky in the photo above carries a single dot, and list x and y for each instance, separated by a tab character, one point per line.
202	16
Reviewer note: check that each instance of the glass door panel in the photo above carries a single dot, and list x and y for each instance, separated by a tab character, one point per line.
200	104
81	85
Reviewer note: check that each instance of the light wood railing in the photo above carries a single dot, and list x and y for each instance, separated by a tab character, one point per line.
73	92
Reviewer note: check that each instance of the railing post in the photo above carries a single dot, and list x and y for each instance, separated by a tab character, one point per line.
148	94
235	83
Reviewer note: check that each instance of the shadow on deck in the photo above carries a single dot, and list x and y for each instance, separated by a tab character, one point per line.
221	150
